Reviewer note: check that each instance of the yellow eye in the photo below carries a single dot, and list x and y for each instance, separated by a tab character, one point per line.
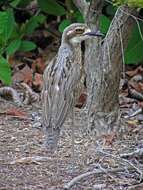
79	30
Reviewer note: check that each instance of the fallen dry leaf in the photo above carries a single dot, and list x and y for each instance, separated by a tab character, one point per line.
24	75
140	104
16	112
38	65
38	81
137	86
132	123
138	70
110	138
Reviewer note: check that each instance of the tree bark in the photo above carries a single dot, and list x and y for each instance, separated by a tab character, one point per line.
103	101
103	65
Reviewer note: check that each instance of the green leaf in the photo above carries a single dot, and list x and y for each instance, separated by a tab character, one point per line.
9	25
3	2
13	46
78	17
33	23
131	3
16	32
6	24
51	7
27	45
24	3
133	53
5	71
104	23
15	3
40	18
64	24
111	10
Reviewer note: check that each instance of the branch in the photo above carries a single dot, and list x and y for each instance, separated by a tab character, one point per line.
96	172
94	11
82	5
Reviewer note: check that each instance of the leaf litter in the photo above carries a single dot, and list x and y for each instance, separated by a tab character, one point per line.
109	162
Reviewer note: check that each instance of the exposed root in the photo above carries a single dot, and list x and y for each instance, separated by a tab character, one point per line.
10	93
29	95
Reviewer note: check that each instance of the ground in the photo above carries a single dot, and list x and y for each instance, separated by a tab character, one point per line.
26	165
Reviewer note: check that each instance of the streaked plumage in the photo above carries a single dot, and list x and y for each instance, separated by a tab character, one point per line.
63	82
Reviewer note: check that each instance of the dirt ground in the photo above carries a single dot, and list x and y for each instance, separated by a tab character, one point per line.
26	165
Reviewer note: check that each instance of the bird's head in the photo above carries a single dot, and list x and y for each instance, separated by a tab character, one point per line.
77	32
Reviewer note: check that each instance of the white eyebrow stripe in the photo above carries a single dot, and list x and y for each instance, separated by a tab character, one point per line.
69	32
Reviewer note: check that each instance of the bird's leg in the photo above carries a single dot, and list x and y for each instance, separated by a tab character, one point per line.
73	136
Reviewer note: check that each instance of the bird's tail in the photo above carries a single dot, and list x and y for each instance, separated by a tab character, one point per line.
52	138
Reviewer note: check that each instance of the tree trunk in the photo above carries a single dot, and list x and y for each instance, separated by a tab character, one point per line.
104	68
103	65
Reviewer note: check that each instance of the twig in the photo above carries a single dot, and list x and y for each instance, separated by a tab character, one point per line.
137	112
136	153
136	186
122	159
33	159
97	172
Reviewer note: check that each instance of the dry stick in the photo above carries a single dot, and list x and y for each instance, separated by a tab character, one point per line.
97	172
134	17
136	153
122	159
133	187
33	159
122	51
137	112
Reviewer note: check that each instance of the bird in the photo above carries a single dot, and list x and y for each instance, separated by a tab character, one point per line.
63	81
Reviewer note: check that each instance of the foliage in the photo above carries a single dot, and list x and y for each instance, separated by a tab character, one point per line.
13	34
51	7
132	3
64	24
104	23
5	72
11	39
133	53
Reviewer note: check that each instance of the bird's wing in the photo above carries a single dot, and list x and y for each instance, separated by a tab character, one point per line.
60	79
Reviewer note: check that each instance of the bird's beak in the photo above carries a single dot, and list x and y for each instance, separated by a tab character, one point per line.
92	33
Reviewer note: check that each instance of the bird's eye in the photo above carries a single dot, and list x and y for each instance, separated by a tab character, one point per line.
79	30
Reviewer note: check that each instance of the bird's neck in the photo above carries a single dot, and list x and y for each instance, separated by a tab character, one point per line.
75	51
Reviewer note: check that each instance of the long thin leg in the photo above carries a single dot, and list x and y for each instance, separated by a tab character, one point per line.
73	137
